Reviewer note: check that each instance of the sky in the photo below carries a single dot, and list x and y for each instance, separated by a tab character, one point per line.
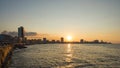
81	19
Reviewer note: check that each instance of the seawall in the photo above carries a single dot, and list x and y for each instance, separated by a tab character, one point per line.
5	55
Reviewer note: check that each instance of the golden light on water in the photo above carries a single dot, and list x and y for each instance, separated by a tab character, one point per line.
69	53
69	48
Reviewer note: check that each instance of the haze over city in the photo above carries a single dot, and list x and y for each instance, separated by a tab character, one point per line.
76	19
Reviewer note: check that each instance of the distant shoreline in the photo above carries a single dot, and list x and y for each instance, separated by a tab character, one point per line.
68	43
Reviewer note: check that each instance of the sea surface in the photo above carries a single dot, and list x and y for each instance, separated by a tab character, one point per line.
67	56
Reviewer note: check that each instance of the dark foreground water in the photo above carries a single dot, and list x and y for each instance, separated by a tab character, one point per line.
67	56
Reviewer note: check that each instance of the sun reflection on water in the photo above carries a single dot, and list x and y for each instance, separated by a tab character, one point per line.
69	53
68	48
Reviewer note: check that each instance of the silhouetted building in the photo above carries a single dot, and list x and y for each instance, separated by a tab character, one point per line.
47	41
81	41
96	41
21	32
6	38
21	35
39	41
57	41
62	39
53	41
44	40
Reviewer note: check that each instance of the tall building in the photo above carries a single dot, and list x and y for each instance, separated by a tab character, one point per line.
44	40
21	32
62	39
82	41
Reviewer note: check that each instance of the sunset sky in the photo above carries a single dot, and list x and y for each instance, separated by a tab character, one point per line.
81	19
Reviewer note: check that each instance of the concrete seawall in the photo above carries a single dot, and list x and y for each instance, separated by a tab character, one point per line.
5	55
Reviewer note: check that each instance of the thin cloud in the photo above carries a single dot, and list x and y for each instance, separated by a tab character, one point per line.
14	33
31	35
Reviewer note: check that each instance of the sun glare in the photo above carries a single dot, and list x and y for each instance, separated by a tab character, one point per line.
69	38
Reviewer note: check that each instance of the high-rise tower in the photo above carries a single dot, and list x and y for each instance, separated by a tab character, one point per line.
21	32
62	39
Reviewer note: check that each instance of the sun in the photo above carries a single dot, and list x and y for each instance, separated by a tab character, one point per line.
69	38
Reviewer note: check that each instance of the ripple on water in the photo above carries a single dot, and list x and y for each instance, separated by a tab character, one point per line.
66	56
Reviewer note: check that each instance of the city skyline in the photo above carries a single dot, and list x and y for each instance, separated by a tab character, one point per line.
81	19
21	34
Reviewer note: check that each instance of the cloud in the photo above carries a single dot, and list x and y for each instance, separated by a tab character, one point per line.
14	33
30	35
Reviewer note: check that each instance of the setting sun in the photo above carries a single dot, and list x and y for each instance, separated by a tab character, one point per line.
69	38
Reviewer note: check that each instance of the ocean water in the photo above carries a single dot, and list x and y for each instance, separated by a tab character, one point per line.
67	56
